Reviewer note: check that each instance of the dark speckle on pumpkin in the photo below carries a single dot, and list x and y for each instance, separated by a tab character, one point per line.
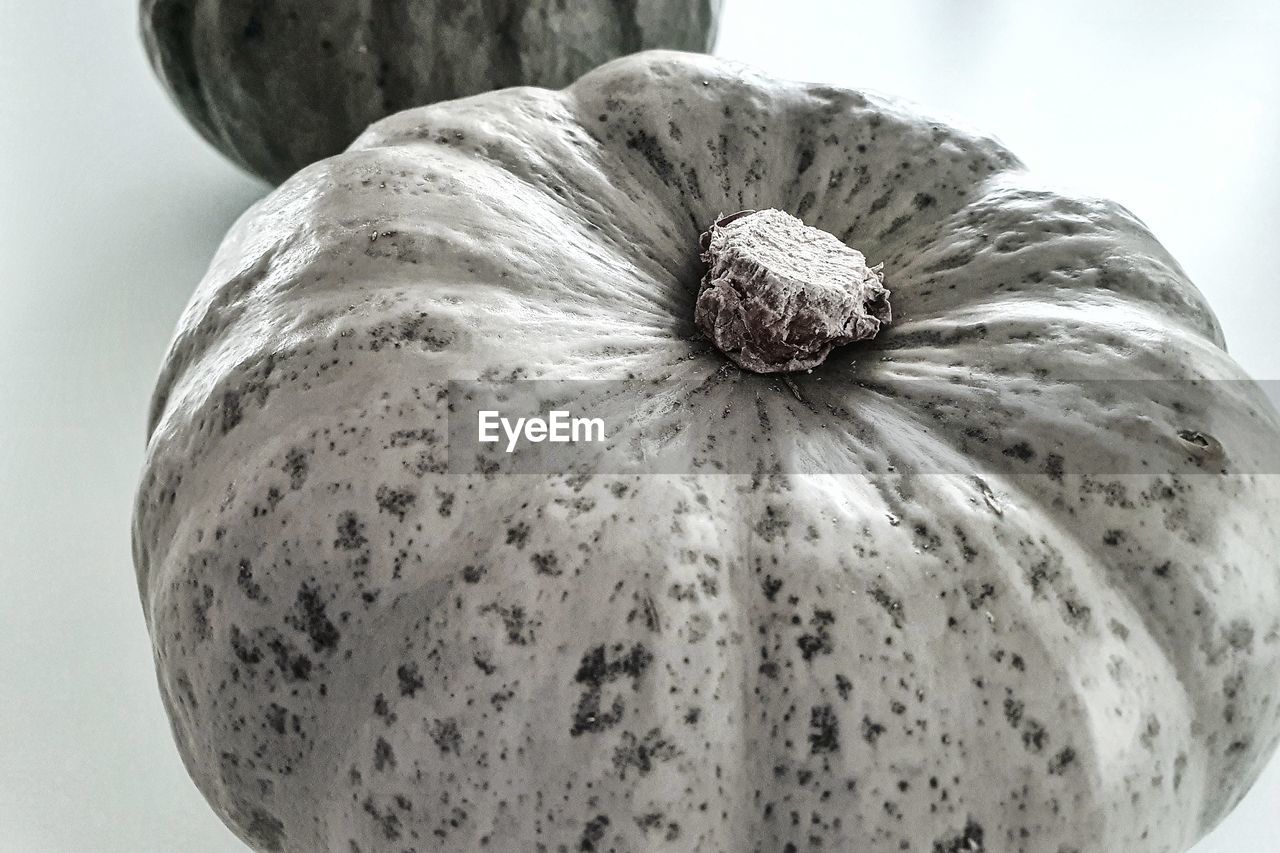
593	833
649	147
409	679
446	736
266	830
384	756
824	735
396	502
819	641
600	669
968	840
1021	451
231	411
309	616
295	465
546	563
1064	759
642	753
350	532
871	730
292	663
891	605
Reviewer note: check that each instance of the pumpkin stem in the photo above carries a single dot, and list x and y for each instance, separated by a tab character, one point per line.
779	295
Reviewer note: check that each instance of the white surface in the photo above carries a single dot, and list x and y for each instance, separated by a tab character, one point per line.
110	208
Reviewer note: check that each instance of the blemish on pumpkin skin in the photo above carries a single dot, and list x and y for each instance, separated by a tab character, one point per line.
309	616
682	592
871	730
979	594
1020	451
350	533
292	664
924	539
922	201
274	496
1150	732
1013	710
519	627
409	437
231	411
805	161
642	753
518	535
895	226
200	605
186	692
1034	736
891	605
1054	466
593	832
600	668
824	736
806	204
410	680
968	840
880	202
245	652
1060	762
246	583
653	822
382	710
445	735
396	502
546	563
772	524
649	148
1078	615
819	642
388	823
383	756
265	830
649	610
1239	635
1237	746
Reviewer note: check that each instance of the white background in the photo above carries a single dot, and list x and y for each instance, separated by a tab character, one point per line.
110	208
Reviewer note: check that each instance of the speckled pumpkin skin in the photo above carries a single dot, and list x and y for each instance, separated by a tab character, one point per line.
276	86
363	652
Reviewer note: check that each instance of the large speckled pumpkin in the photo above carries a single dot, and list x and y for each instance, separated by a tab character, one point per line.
947	591
276	86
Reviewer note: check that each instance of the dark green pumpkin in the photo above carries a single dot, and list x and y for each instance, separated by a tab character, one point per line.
278	85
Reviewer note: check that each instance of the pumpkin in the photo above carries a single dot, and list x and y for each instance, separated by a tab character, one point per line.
991	566
275	86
